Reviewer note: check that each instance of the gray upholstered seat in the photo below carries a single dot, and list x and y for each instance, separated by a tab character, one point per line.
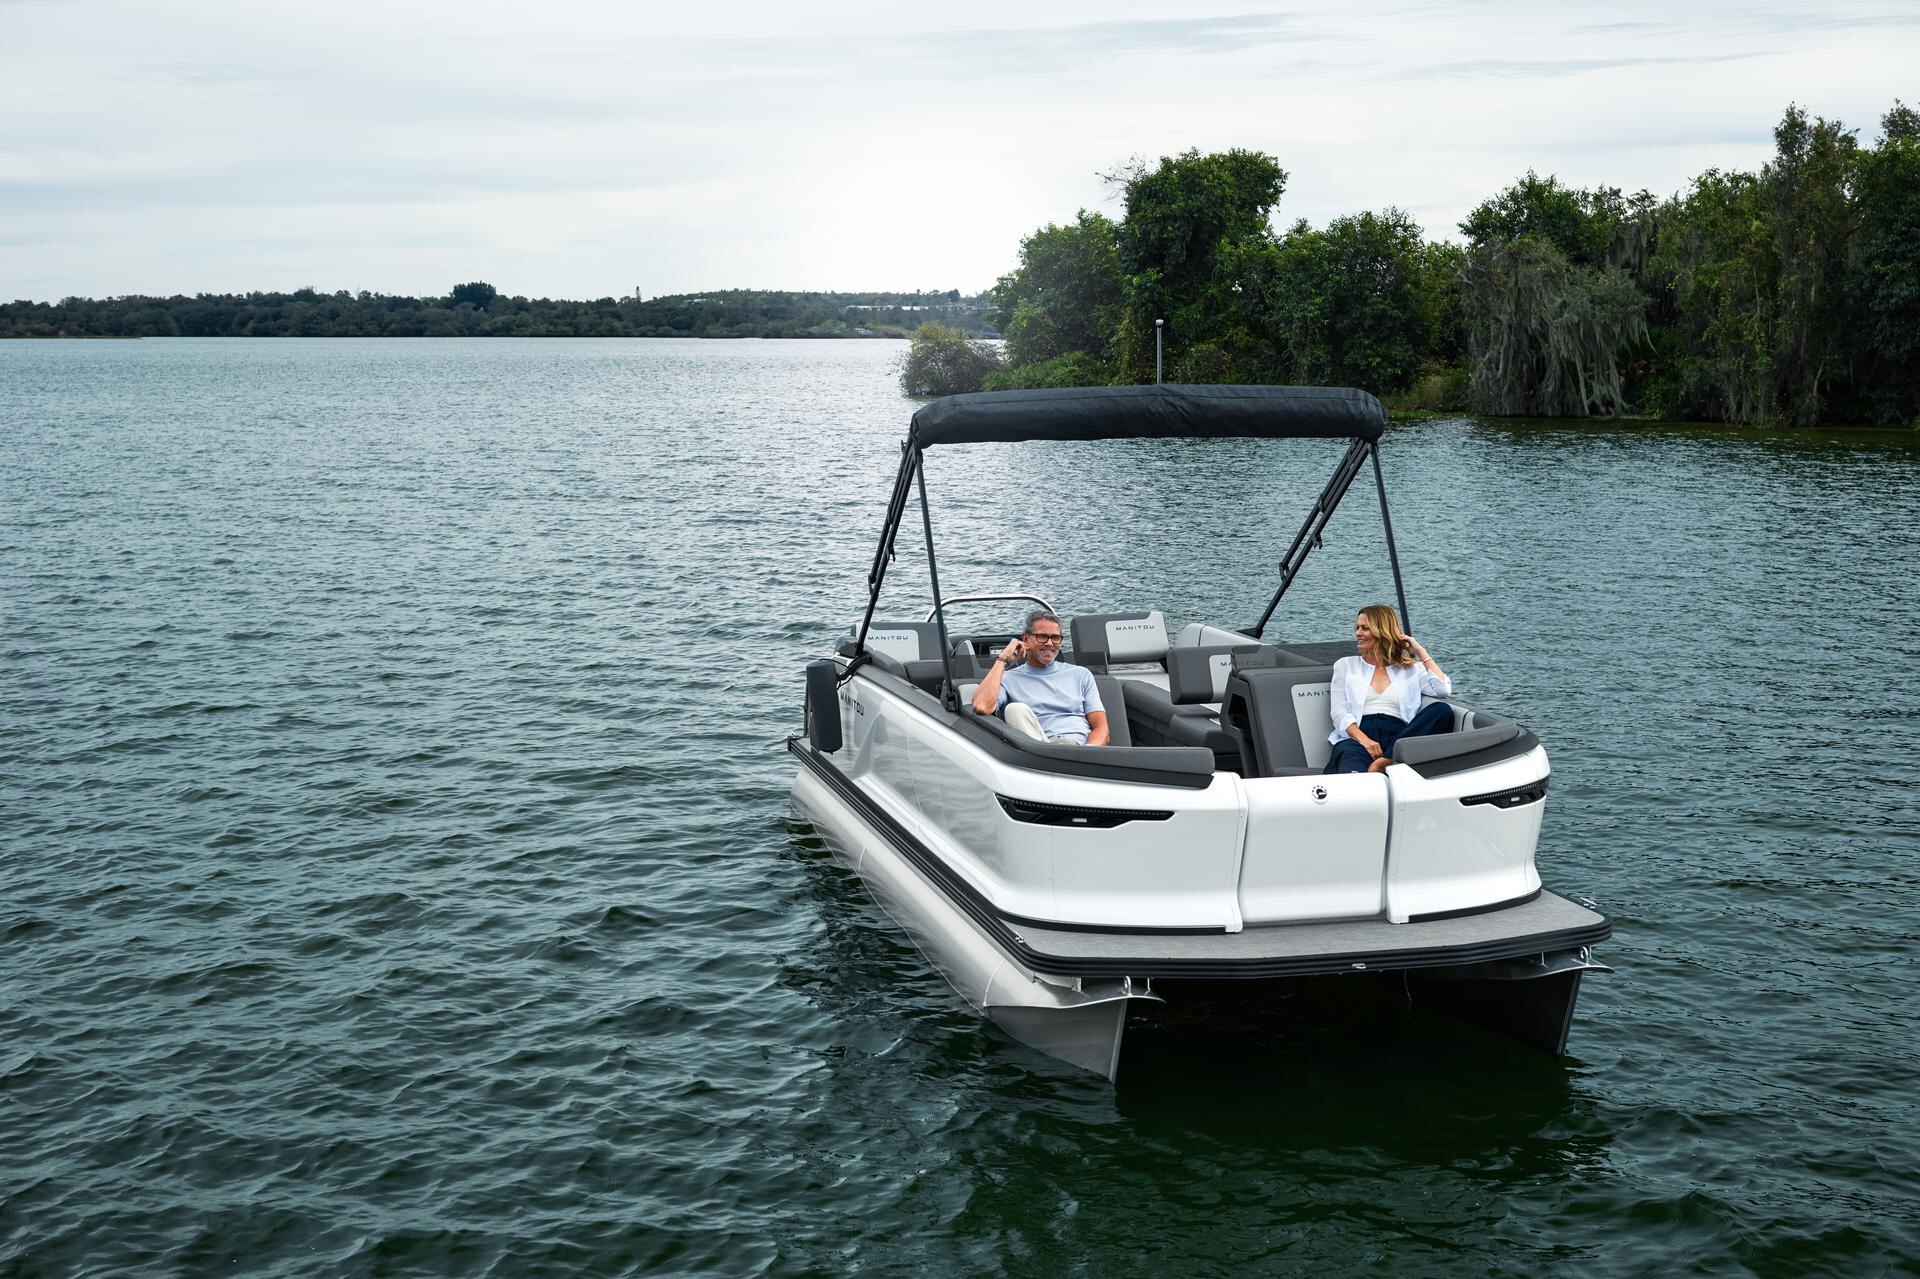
1103	640
1279	717
904	641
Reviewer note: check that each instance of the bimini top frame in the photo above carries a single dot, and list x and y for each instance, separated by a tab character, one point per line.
1140	412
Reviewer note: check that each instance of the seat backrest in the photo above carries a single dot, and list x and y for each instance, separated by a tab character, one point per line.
1101	640
1281	717
904	641
1199	674
1113	697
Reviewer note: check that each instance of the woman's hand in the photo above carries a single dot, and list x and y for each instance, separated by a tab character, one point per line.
1419	650
1367	744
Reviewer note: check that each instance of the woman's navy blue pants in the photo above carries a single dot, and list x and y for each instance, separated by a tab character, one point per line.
1350	756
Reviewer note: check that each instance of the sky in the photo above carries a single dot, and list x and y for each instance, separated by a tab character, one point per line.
592	149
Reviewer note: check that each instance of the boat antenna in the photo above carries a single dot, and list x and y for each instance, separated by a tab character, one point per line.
1159	328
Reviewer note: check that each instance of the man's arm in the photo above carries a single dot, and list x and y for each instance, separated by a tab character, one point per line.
1097	734
986	698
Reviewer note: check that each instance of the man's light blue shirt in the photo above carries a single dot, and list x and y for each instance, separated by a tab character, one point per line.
1060	696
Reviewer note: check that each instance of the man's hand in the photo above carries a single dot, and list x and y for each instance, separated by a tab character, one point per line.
1014	653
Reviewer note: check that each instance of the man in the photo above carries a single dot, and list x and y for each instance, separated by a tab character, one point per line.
1045	697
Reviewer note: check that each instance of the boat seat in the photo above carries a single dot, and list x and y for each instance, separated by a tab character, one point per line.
895	645
1104	640
1184	713
1112	699
1119	727
1280	718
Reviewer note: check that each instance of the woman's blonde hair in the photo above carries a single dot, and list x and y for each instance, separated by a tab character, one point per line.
1389	639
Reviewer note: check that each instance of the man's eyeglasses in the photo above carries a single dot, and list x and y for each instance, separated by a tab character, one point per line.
1045	639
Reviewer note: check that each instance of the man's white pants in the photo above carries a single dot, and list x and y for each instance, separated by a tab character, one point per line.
1021	717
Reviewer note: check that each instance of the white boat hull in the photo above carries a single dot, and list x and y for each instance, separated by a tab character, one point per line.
1078	1021
1067	991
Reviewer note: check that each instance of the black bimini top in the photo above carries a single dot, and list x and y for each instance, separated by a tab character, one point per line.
1149	412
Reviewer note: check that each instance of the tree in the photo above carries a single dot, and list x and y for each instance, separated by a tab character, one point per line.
1551	300
1352	303
1885	270
477	295
1193	246
1062	297
1545	335
1760	275
941	361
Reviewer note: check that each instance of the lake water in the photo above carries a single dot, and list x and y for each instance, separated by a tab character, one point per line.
399	877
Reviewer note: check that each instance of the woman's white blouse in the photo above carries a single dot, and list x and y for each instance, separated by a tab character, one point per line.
1353	682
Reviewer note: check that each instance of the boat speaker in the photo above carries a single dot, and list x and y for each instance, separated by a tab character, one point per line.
823	706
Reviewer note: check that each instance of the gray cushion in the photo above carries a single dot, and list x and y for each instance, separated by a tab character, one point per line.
1101	639
904	641
1119	731
1280	717
1199	674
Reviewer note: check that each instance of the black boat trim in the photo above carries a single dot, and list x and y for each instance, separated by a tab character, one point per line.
1465	911
1513	748
1036	813
999	926
1531	793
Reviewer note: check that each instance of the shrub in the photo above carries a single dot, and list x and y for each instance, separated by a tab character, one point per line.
942	361
1075	368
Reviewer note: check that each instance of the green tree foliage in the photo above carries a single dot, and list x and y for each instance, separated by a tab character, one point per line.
1885	271
1075	368
1715	267
1064	296
1550	307
478	310
1194	244
943	361
478	295
1363	303
1781	293
1546	335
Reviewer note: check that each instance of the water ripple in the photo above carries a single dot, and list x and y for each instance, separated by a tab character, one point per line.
400	880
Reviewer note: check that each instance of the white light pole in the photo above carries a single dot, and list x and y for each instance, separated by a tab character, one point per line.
1159	327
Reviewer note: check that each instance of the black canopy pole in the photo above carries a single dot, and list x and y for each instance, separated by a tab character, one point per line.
1393	556
1314	525
933	571
883	555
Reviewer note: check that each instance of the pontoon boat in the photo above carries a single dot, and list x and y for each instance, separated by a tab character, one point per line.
1056	886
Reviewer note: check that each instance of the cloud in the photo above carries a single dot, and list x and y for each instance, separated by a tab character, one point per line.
1516	69
586	147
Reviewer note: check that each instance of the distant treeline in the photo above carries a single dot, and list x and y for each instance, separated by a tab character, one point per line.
1791	295
479	310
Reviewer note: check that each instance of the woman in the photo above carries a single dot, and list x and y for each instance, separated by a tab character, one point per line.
1376	696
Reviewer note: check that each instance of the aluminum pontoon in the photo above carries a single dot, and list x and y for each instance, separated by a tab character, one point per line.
1056	886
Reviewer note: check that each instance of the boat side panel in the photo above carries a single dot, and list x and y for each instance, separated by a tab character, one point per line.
1445	855
1174	870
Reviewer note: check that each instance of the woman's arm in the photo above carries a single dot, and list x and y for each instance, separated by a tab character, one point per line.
1433	681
